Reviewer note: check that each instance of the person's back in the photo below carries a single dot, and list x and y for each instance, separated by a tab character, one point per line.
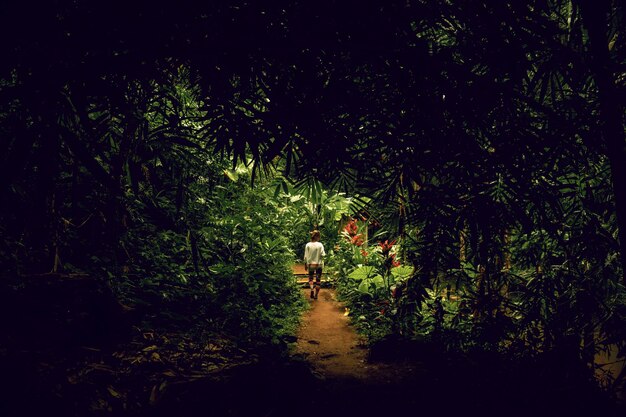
314	261
314	253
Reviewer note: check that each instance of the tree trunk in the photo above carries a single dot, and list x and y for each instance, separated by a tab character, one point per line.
462	246
594	14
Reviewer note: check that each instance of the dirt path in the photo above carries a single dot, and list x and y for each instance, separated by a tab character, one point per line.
327	341
332	346
343	383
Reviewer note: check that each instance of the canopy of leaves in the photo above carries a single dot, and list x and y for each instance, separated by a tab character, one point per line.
487	134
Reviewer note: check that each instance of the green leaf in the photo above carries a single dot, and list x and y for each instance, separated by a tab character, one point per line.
363	272
313	191
402	272
318	188
232	175
378	281
364	287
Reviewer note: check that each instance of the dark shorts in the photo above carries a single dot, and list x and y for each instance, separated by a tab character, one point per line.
317	272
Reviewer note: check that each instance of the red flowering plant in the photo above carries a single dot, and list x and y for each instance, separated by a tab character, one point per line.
351	229
353	233
378	262
386	246
389	258
369	277
352	248
372	290
355	254
357	240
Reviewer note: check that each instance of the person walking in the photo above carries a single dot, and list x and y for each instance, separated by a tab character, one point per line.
314	262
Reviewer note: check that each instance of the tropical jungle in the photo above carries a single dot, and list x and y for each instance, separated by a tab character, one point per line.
163	165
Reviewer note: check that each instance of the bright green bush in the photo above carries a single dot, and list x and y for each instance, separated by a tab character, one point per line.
251	277
220	262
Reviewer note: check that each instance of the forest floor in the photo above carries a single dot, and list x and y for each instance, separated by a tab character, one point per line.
52	369
347	381
333	348
351	379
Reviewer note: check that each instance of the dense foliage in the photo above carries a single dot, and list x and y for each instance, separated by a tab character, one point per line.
173	229
485	138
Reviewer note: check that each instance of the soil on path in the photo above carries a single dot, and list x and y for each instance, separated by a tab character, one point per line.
327	341
333	348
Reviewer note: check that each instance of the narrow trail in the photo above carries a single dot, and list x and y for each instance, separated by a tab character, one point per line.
329	374
350	385
328	342
347	383
334	349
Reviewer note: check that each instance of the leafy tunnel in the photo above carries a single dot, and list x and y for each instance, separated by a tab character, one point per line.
162	166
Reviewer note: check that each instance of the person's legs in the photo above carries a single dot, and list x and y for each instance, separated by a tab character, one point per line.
311	281
318	281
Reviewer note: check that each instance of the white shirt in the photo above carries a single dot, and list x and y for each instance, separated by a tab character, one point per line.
314	253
